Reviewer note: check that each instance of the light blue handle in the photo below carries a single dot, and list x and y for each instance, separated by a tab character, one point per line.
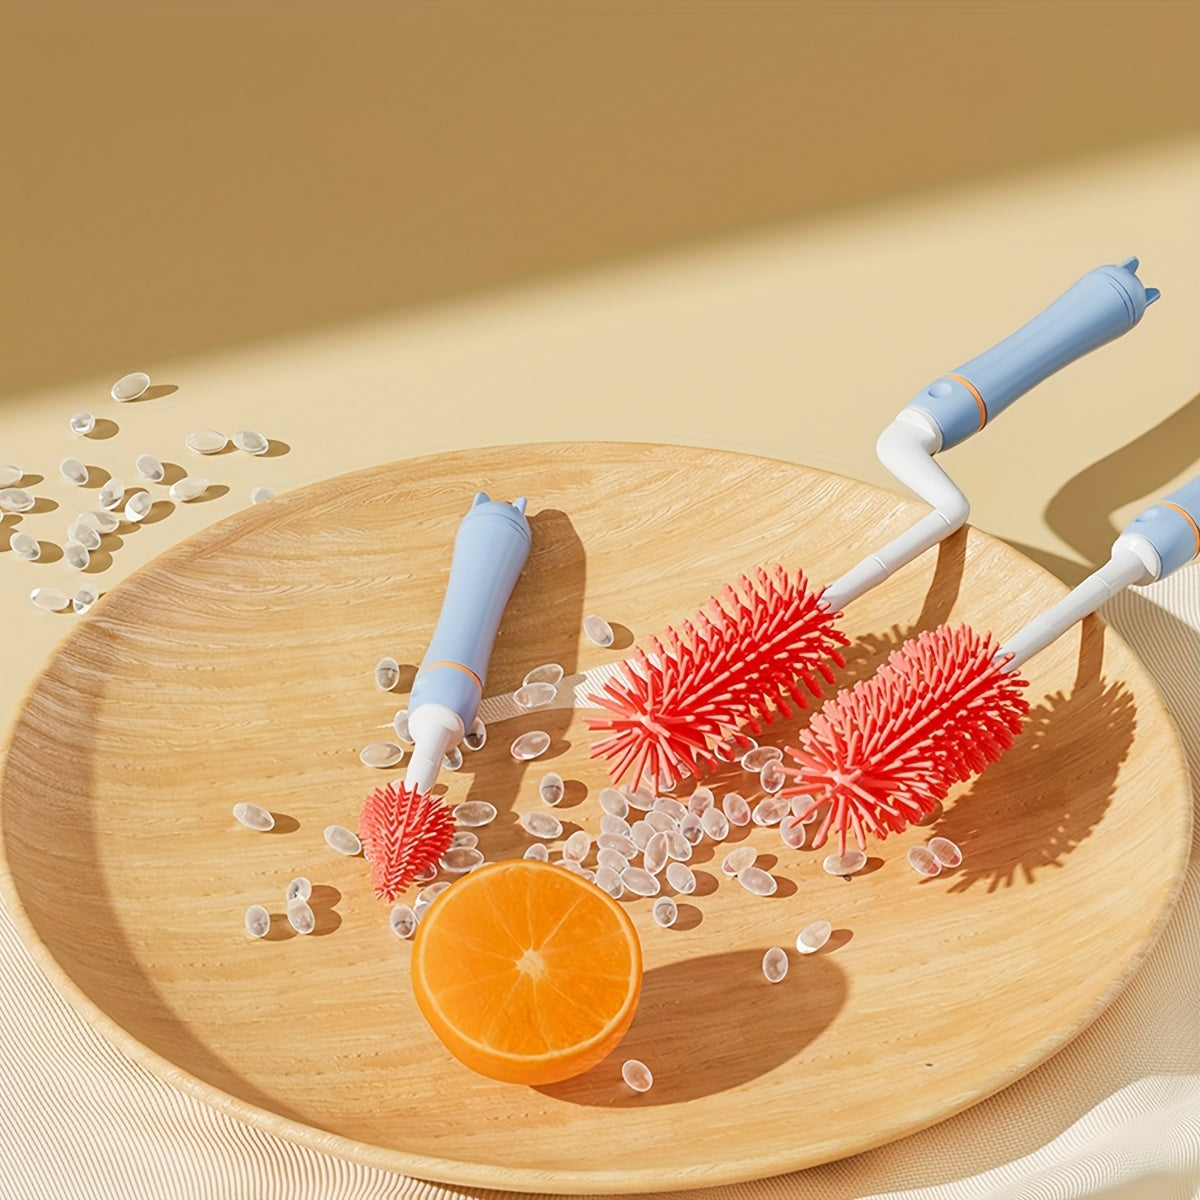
1172	526
490	549
1104	304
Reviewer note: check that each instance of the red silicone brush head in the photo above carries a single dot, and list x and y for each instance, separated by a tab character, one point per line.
403	832
762	648
885	752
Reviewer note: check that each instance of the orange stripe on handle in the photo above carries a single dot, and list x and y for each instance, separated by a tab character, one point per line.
983	413
1187	516
457	666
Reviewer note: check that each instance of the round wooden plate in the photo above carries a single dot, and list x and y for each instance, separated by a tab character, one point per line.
239	666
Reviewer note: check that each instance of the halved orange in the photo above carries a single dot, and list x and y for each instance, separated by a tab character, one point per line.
527	972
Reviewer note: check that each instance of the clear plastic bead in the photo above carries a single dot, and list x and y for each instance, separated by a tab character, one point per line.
844	864
299	888
597	631
678	847
946	852
138	506
615	825
530	745
715	823
403	921
803	807
82	423
387	674
757	881
812	937
922	860
577	846
381	755
535	695
771	810
626	847
452	760
400	725
130	387
84	598
189	488
77	555
641	799
771	778
50	599
343	840
257	921
540	824
426	874
538	852
754	760
550	673
24	546
476	737
640	882
464	837
86	535
460	859
102	521
701	800
551	788
775	964
734	806
300	917
149	468
112	495
250	442
681	877
612	860
260	495
636	1075
471	814
738	860
206	441
253	816
672	808
613	801
664	912
73	471
16	500
661	823
640	832
654	857
692	828
9	475
793	832
608	879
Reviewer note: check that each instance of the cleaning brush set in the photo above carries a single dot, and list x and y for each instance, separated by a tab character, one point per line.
877	757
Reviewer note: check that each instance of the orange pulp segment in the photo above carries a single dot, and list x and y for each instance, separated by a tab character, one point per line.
527	972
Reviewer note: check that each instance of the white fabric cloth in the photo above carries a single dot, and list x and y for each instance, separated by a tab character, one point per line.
1115	1115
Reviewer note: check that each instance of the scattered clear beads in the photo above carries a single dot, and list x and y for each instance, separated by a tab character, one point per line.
736	861
381	755
812	937
754	760
793	832
253	816
301	917
403	921
464	837
535	695
551	788
538	852
472	814
597	630
775	964
73	471
24	546
257	921
149	468
82	423
50	599
921	859
771	778
84	598
530	745
16	500
636	1075
735	808
946	852
608	879
138	507
111	495
613	802
459	859
77	555
299	888
715	823
452	760
102	522
844	864
387	674
665	912
130	387
260	495
540	824
681	877
9	474
250	442
476	737
757	881
343	840
190	487
400	725
577	846
86	535
640	882
771	810
550	673
206	441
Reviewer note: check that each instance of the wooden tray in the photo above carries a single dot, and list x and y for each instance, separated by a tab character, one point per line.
238	666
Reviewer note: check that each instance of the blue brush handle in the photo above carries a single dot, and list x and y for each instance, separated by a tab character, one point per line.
1104	304
1172	527
490	549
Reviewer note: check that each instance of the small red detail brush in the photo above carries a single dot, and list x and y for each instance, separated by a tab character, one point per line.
403	832
735	664
882	754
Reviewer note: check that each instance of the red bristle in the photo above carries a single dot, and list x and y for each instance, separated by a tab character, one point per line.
885	752
737	663
403	832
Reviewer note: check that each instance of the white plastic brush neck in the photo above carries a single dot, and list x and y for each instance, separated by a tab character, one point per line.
435	731
906	447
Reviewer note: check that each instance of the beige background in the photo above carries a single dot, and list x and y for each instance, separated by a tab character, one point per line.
388	230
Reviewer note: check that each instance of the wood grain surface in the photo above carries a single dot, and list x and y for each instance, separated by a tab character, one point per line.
238	666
